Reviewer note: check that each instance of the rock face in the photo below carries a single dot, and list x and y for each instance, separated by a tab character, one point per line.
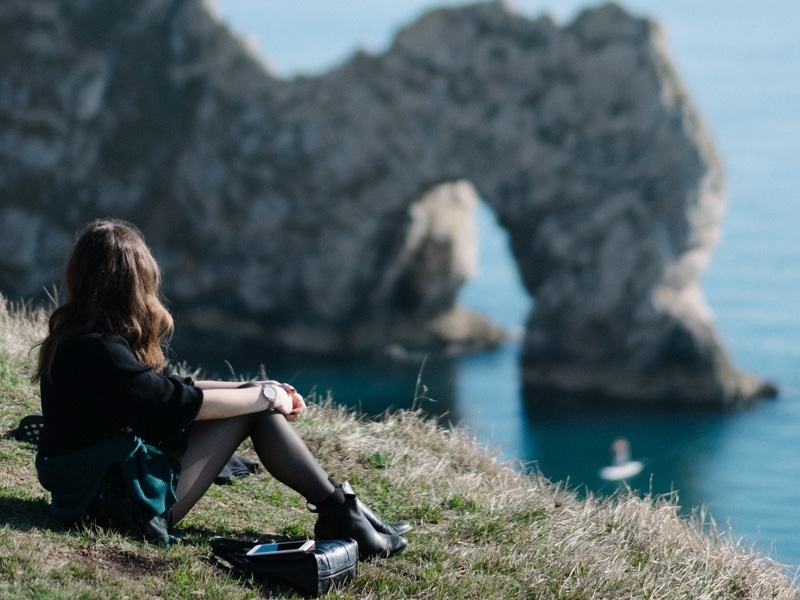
333	214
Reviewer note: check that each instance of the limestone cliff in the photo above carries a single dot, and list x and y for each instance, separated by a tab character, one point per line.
332	214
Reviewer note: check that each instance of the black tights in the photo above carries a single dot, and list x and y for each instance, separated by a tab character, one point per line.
281	450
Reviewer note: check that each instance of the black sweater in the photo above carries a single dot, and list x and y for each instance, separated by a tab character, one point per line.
98	388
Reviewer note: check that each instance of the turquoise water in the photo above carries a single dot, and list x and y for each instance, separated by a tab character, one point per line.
740	61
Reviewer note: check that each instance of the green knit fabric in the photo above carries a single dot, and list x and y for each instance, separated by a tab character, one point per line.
74	479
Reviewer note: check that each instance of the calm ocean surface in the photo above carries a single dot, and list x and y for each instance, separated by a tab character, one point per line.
741	63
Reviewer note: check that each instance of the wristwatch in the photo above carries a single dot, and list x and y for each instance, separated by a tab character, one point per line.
271	394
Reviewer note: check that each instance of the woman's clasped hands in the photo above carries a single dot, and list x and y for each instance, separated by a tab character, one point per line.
288	401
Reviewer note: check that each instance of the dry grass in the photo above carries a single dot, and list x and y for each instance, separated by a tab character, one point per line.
482	529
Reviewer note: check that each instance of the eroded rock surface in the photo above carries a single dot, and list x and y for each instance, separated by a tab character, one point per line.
332	214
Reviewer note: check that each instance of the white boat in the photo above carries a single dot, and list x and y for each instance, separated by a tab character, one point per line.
624	471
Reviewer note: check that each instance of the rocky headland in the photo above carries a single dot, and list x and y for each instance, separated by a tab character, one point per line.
333	215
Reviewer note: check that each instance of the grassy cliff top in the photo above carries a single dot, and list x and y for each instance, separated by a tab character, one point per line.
482	529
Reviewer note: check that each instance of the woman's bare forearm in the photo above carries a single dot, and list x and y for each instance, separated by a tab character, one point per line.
226	402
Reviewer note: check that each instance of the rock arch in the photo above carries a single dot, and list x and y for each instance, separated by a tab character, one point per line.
295	210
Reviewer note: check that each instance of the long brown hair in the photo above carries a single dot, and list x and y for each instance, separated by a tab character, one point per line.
113	286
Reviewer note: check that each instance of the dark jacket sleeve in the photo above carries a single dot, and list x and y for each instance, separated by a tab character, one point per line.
154	405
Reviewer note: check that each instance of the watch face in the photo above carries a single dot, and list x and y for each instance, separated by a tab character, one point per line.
269	392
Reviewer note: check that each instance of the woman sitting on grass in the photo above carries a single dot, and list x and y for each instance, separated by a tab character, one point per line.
128	446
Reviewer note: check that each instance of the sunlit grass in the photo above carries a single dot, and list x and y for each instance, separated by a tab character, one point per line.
482	528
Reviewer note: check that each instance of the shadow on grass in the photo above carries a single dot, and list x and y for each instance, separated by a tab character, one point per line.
25	513
33	514
19	508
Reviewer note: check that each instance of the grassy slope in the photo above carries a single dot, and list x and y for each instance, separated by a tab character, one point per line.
482	530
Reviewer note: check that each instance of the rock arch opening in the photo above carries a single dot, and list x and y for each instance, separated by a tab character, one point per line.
496	289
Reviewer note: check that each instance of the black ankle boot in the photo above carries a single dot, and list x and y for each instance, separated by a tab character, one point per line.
381	526
340	517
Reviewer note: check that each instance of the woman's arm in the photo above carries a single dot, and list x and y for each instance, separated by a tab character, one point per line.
225	402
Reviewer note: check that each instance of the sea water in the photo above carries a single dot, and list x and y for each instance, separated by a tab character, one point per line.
740	61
